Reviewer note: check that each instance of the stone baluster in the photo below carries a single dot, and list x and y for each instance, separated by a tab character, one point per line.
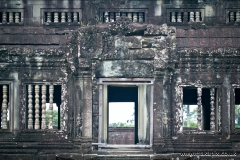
173	18
75	17
10	17
49	17
43	107
238	17
135	19
37	123
4	108
111	16
63	17
17	17
179	17
124	14
117	16
140	16
69	16
199	111
231	18
212	123
4	17
55	17
106	18
197	16
30	107
185	17
130	16
51	90
191	19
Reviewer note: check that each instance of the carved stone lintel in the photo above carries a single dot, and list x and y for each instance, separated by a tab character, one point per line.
199	112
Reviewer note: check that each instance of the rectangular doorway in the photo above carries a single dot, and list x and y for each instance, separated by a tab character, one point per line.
122	114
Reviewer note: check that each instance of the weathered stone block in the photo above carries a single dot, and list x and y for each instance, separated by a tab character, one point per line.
181	33
192	33
181	42
156	42
124	68
39	39
133	42
215	32
227	32
28	39
214	42
226	42
145	53
193	42
204	42
5	39
203	33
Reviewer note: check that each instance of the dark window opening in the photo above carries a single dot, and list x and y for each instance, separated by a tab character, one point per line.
122	102
56	105
1	15
237	107
190	108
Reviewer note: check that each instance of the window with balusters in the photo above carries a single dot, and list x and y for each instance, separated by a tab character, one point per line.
133	15
233	16
183	16
61	17
43	106
5	107
11	17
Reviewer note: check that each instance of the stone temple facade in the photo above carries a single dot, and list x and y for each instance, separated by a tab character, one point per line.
63	63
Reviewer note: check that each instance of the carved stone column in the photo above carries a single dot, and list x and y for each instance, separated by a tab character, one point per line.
158	106
87	105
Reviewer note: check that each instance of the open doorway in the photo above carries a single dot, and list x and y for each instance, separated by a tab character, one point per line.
122	114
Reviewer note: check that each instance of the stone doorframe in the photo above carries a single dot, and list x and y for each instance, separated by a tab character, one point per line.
103	83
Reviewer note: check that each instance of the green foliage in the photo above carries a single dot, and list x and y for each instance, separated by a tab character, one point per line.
192	124
237	116
55	117
120	124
